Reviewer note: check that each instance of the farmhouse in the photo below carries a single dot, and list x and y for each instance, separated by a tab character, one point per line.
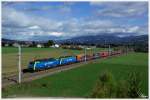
6	45
55	46
15	44
39	46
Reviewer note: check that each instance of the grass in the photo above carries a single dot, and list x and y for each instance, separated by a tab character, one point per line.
10	56
79	82
6	50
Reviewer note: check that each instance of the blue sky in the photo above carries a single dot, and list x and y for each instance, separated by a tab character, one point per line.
61	20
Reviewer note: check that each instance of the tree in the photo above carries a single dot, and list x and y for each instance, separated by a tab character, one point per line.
134	81
122	89
49	43
105	86
34	44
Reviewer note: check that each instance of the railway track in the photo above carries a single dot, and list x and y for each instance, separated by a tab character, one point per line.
29	76
32	76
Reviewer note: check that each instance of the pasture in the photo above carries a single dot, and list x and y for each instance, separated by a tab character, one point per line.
79	82
10	56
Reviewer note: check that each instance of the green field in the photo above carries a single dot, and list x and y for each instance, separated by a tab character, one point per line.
10	58
79	82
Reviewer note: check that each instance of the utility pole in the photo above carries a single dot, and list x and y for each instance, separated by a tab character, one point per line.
105	44
93	50
109	50
126	50
19	63
85	54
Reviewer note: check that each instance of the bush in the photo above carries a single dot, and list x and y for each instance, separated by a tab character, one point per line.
122	89
134	82
105	86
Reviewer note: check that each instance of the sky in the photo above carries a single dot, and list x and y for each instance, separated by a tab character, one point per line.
62	20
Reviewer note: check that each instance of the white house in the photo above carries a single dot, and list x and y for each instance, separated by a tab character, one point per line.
6	45
39	46
57	46
15	45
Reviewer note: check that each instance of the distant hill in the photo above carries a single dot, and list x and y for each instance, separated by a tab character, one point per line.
98	39
8	41
106	39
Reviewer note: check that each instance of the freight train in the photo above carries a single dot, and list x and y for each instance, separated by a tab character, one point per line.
42	64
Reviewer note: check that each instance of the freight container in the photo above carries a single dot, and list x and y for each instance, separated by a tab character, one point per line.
80	57
96	55
104	54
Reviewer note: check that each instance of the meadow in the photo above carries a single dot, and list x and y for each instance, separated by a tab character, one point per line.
10	56
80	81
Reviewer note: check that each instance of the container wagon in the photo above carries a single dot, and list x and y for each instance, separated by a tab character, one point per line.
96	55
80	57
104	54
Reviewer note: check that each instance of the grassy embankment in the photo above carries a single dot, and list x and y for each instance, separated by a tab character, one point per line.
79	82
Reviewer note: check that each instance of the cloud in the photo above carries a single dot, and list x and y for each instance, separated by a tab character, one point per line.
120	9
15	18
34	7
21	25
18	23
34	27
56	33
133	29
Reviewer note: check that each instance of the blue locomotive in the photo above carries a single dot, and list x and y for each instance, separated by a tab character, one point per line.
43	64
51	63
67	60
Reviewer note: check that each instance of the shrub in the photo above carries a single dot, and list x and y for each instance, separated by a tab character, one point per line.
105	86
134	81
122	89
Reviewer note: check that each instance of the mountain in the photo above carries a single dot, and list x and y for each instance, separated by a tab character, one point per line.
106	39
98	39
9	41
